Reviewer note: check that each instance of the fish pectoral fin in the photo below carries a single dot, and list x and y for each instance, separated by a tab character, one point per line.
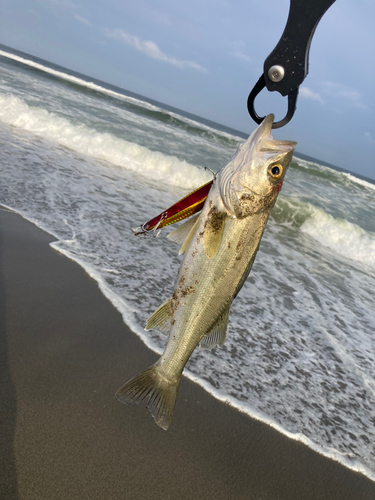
160	319
180	234
189	231
216	336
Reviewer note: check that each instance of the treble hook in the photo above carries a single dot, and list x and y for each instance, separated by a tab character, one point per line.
214	174
144	232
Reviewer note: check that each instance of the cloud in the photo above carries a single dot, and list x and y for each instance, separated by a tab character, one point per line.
240	55
369	138
151	49
349	94
237	51
82	20
307	93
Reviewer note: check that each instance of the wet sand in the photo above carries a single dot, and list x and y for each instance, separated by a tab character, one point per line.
64	351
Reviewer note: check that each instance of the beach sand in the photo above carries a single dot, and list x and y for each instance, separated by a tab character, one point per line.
64	351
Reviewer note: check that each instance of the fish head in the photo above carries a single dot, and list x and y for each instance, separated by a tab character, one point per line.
254	176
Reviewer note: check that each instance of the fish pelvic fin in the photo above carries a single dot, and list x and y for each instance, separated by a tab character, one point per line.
153	386
215	337
161	318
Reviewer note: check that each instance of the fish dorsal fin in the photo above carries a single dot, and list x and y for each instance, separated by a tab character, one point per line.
160	319
216	336
185	233
180	234
213	233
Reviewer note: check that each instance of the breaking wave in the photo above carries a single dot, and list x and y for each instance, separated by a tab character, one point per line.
317	170
329	174
343	237
104	146
148	109
301	334
361	182
74	79
291	212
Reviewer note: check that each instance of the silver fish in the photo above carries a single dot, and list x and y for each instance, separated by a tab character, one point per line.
220	245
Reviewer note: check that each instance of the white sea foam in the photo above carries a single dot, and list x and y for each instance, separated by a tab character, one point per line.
362	182
118	95
299	353
260	416
152	164
74	79
345	238
307	163
127	312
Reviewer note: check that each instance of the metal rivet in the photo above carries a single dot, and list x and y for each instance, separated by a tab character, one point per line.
276	73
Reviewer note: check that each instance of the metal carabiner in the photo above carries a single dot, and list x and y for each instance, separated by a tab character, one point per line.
287	66
292	104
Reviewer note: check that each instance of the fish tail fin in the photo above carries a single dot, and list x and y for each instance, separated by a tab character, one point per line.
160	391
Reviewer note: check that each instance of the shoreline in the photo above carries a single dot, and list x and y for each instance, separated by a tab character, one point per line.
66	351
121	306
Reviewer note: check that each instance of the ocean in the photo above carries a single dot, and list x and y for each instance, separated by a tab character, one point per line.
87	161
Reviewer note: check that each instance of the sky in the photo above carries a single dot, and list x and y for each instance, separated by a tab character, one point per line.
205	56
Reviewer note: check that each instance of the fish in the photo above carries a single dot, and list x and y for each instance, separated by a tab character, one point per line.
219	245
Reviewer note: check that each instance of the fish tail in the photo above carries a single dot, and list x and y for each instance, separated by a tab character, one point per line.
160	391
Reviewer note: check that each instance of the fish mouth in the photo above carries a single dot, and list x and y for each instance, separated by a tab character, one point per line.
266	142
262	144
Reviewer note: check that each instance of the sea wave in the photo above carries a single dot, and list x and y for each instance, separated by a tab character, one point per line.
127	311
292	212
317	170
361	182
74	79
151	110
345	238
105	146
321	343
341	236
329	173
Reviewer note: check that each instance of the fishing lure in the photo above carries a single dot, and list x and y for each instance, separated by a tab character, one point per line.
187	206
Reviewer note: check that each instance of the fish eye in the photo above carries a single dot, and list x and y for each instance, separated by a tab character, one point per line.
276	171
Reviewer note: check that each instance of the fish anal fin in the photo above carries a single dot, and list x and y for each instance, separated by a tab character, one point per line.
160	319
213	232
215	337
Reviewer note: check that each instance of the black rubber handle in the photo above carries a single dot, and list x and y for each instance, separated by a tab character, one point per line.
292	51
